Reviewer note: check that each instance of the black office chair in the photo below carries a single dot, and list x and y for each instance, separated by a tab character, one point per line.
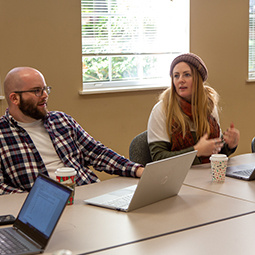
139	150
253	145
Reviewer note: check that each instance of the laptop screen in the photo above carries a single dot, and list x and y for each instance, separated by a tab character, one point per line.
43	207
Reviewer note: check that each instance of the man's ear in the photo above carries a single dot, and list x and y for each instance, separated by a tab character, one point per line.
14	98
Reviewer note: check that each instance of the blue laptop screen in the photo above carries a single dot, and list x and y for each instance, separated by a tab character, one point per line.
44	206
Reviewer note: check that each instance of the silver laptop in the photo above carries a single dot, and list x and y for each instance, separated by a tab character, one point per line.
160	179
244	171
37	218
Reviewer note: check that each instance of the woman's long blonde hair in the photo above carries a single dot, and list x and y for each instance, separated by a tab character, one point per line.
203	101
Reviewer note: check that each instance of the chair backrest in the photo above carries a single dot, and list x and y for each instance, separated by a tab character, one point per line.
253	145
139	149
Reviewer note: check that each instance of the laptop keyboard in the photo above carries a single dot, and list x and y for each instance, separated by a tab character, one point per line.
9	244
244	172
123	201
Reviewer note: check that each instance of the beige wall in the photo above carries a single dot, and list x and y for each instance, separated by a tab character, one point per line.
45	34
219	33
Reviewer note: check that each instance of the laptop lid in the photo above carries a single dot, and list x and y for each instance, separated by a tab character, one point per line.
243	171
160	179
42	209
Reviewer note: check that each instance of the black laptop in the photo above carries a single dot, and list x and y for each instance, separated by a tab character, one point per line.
37	218
244	171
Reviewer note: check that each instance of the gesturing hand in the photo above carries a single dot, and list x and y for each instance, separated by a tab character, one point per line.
231	136
207	147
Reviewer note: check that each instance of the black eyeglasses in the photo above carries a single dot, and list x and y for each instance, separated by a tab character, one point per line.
38	91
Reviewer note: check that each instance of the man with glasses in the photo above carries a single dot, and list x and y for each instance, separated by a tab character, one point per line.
33	139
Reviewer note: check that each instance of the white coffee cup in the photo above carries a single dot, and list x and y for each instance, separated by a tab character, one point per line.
218	167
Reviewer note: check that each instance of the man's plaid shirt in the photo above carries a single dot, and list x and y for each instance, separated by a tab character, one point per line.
21	162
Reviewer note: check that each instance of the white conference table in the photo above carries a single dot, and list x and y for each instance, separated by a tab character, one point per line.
230	237
199	176
85	228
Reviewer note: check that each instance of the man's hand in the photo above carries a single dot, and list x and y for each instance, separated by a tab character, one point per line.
139	172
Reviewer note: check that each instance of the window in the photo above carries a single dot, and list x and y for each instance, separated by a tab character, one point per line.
129	44
251	75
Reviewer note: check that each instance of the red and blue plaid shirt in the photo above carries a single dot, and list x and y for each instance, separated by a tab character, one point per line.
21	162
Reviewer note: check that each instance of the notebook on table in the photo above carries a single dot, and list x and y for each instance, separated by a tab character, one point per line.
243	171
37	218
160	179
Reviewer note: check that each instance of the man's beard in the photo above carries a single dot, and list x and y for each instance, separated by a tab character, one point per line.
29	109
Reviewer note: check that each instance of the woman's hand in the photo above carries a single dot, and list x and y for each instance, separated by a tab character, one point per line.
207	147
231	136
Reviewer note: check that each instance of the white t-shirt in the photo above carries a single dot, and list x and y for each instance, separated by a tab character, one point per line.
44	145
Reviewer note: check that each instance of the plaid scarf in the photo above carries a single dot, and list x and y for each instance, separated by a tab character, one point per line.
179	143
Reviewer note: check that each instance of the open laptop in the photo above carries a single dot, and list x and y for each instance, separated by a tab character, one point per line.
37	218
243	171
160	179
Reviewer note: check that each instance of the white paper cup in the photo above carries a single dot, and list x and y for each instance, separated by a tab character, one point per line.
66	176
219	164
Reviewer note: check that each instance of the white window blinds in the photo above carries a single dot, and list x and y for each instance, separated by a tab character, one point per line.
251	75
131	41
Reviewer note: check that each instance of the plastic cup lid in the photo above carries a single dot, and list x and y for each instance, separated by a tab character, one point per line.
219	157
65	171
